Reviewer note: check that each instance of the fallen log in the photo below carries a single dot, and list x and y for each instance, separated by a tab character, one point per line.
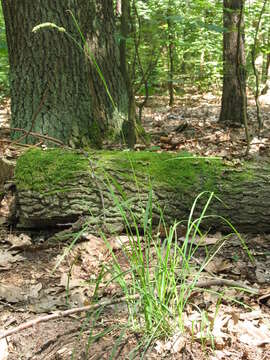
57	187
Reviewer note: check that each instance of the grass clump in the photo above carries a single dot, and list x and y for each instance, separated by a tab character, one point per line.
162	272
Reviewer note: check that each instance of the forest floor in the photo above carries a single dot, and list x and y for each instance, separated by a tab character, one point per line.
234	325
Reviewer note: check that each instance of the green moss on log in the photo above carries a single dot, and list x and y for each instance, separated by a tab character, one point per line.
176	171
52	169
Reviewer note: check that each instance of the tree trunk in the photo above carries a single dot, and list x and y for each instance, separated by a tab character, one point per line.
55	89
57	187
130	125
233	106
170	52
266	76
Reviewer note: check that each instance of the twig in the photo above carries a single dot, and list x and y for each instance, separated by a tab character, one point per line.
260	143
65	313
226	282
44	137
14	143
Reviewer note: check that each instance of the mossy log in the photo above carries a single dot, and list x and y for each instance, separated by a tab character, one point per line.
57	187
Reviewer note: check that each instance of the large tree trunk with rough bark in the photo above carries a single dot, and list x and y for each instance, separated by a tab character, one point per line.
56	88
233	106
57	187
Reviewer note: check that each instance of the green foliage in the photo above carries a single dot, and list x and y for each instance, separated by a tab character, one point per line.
263	40
52	169
196	30
4	65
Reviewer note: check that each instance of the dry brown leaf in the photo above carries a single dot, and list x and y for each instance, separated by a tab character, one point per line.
7	206
253	335
172	345
256	314
69	282
218	265
34	290
22	241
6	259
117	242
219	330
221	355
203	240
3	349
11	293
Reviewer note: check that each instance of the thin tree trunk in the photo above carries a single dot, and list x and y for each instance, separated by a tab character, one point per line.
241	74
170	52
233	106
266	76
129	131
256	72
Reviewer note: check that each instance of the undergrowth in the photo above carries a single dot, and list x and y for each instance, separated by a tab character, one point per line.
160	271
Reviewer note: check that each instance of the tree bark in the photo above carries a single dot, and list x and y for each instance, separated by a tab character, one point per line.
129	127
266	76
55	89
233	105
170	52
57	187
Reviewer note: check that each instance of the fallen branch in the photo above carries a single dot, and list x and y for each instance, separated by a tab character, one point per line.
226	282
11	142
65	313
